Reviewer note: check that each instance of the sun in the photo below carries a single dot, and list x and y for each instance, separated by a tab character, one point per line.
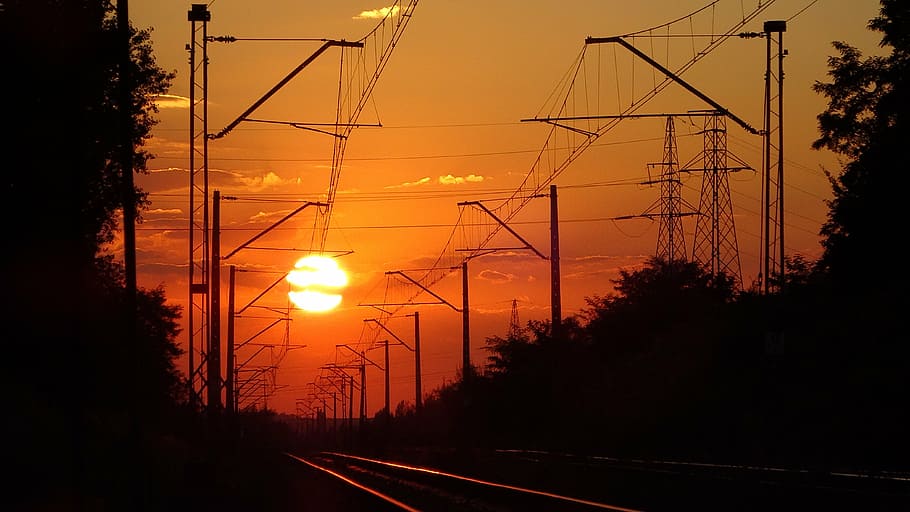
316	282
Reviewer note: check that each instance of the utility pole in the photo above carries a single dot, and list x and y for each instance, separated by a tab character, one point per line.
555	292
773	168
229	398
197	318
388	406
351	407
363	390
418	403
213	370
465	325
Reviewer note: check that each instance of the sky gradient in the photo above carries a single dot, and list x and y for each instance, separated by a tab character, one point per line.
450	104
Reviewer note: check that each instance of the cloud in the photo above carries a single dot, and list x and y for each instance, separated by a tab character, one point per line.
171	101
166	169
421	181
596	257
380	13
270	179
587	267
496	277
457	180
262	216
164	211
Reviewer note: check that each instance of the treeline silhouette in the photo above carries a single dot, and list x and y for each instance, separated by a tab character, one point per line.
679	366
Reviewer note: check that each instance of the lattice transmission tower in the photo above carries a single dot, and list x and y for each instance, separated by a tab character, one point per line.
715	245
671	242
198	317
514	323
772	274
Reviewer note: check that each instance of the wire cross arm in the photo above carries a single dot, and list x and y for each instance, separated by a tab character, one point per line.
258	103
273	226
672	76
315	127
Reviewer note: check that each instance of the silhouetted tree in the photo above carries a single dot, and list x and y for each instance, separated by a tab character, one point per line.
652	303
62	194
867	122
859	300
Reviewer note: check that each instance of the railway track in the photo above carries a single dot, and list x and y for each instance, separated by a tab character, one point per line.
519	480
411	488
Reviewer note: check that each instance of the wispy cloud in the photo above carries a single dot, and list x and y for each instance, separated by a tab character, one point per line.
421	181
166	169
596	257
171	101
587	267
496	277
380	13
448	179
164	211
262	216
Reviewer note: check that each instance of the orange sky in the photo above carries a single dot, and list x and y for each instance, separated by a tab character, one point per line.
451	101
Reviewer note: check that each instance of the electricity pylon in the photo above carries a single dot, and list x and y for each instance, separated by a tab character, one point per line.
514	323
715	245
671	242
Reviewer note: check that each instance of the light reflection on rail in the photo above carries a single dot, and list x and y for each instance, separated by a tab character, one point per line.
894	476
396	465
360	486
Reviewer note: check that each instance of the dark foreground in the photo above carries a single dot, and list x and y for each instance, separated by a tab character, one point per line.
628	484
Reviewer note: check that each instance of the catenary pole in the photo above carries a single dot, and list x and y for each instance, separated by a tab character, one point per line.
555	292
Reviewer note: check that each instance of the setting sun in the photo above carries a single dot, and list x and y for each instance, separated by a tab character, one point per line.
317	280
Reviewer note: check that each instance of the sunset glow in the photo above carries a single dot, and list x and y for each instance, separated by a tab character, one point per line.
318	280
443	136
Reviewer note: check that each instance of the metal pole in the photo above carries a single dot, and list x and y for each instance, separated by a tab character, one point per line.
465	325
766	168
780	152
418	401
207	278
192	366
344	397
555	295
198	204
351	407
388	408
363	390
214	350
229	397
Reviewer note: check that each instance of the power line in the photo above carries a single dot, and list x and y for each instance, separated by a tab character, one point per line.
401	195
804	9
406	157
384	127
